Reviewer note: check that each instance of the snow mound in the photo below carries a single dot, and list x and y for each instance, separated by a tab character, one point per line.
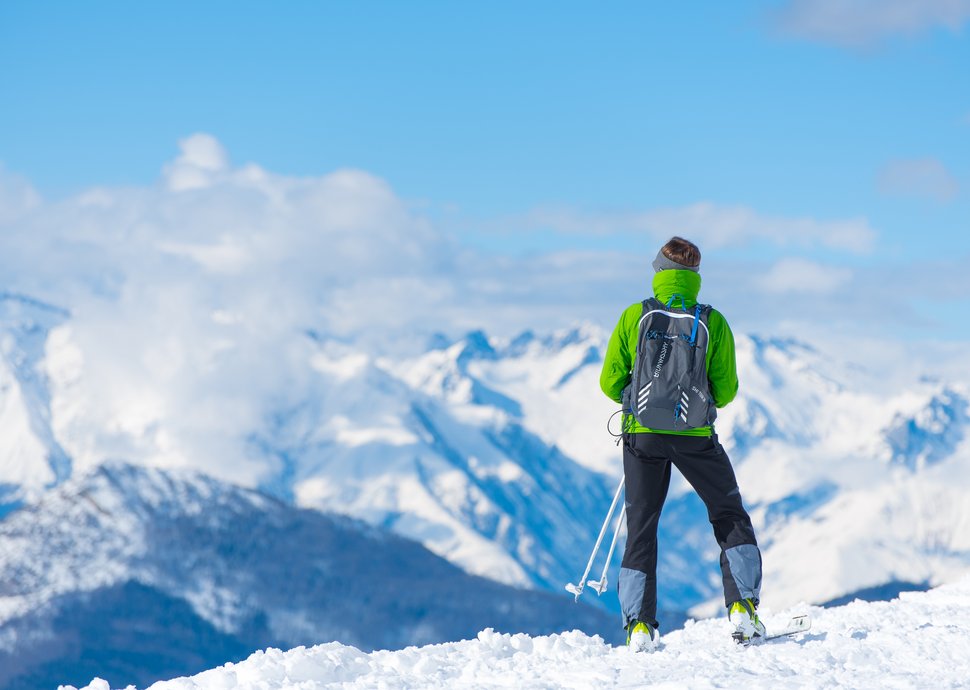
918	640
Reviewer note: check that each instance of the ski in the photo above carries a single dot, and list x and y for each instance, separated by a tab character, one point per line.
796	625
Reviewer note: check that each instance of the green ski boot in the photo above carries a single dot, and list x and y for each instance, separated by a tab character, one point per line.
640	636
744	616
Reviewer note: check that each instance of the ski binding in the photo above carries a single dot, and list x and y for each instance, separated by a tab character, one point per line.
796	625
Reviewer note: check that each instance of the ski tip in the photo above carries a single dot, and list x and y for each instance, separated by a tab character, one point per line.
797	624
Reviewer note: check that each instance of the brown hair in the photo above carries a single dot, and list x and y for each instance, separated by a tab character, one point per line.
682	251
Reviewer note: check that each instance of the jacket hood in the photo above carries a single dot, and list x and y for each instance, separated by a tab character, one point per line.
686	284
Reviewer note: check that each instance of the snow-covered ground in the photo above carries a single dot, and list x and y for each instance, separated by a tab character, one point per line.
917	641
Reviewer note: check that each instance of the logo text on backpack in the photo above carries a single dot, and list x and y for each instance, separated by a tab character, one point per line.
660	361
699	393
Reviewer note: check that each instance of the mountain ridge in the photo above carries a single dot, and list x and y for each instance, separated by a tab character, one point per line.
177	557
493	453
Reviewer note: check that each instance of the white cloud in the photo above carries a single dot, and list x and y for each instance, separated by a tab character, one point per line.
17	196
925	178
712	226
190	306
795	275
201	161
858	23
225	257
190	299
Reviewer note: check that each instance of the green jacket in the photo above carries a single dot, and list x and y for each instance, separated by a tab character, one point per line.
721	365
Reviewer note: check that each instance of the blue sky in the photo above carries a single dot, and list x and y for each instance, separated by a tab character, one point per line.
527	128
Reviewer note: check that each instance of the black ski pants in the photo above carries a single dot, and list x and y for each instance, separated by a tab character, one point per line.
702	461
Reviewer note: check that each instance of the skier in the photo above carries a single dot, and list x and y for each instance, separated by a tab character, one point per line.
668	419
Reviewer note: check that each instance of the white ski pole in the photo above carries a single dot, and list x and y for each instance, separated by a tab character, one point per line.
599	586
578	589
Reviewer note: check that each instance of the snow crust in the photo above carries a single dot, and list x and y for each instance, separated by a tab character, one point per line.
918	640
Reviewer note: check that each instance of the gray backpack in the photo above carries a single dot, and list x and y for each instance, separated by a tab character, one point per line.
669	390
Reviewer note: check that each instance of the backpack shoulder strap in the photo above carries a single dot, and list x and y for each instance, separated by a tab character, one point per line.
650	304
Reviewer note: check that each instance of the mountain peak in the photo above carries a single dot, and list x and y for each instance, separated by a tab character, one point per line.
785	344
120	487
476	345
14	306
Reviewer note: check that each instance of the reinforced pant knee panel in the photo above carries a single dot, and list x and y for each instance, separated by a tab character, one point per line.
638	596
744	568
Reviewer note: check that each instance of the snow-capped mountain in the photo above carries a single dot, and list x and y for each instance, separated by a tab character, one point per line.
854	477
137	574
852	483
495	453
457	470
32	457
917	641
